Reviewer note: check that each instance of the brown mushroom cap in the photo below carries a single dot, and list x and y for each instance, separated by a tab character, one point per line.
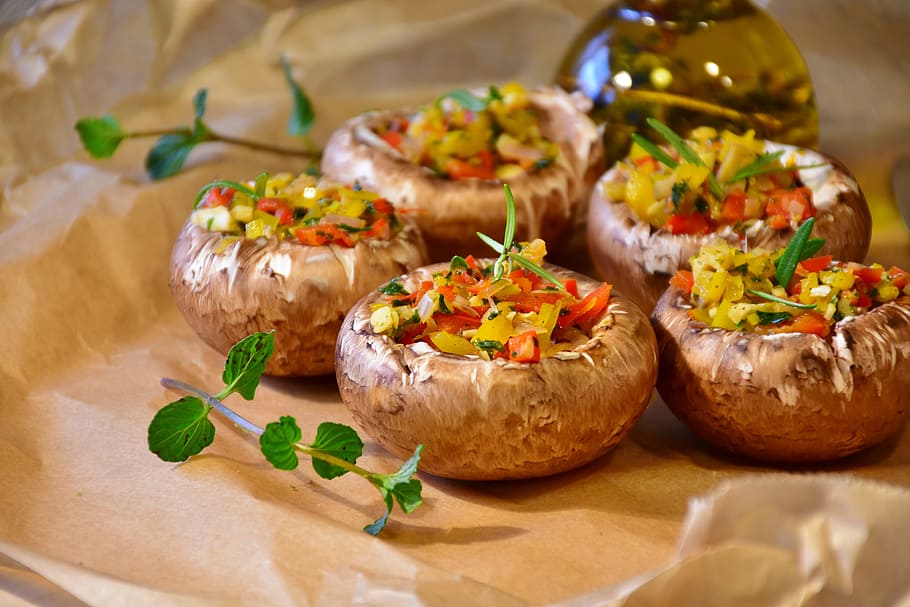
641	260
790	397
449	212
488	420
302	292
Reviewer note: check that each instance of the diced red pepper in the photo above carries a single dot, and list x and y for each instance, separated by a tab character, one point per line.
456	322
285	215
786	206
899	278
383	206
734	207
380	229
411	333
322	234
807	322
270	205
870	276
696	223
683	279
531	301
461	169
588	308
393	138
218	197
571	286
643	161
815	264
523	348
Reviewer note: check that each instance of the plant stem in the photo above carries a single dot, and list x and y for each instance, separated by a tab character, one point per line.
252	428
213	402
310	152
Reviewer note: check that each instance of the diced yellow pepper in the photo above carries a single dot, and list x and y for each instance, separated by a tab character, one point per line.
243	214
384	319
888	293
722	317
639	193
499	328
692	174
452	344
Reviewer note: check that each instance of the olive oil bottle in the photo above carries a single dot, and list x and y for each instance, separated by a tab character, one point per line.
723	63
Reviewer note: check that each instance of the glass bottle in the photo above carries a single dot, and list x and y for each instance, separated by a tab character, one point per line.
723	63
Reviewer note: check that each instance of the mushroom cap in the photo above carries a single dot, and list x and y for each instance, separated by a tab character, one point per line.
490	420
302	292
640	260
789	397
450	212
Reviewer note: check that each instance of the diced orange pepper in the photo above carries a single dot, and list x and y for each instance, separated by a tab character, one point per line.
684	280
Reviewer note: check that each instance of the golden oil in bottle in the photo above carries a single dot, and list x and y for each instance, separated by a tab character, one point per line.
722	63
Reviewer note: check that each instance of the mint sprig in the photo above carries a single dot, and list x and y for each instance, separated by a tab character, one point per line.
181	429
101	136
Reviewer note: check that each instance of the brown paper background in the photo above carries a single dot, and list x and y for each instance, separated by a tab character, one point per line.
87	325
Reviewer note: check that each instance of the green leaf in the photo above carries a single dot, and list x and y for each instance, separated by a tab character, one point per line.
393	288
793	254
199	104
458	263
655	151
100	136
277	442
181	429
509	236
813	246
772	318
245	364
523	262
400	485
781	300
756	166
686	152
465	99
261	181
169	154
338	440
302	116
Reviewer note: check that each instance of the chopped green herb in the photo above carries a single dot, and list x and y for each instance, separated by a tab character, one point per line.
772	318
393	287
677	193
781	300
489	345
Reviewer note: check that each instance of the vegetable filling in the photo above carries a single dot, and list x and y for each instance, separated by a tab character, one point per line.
299	208
785	291
710	182
519	316
462	136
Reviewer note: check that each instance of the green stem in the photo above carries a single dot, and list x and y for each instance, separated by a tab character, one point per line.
310	152
245	424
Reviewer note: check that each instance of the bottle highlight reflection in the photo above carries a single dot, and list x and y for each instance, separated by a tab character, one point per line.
723	63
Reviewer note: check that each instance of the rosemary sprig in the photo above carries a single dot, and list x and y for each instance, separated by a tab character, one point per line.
793	254
781	300
686	152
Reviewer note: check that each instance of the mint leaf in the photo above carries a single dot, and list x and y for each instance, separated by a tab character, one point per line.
465	99
169	154
302	117
100	136
200	130
181	429
338	440
246	363
277	442
402	487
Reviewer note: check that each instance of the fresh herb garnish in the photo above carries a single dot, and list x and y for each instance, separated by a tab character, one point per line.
793	254
469	100
677	192
655	151
762	166
489	345
224	183
685	152
772	318
505	248
393	287
102	136
182	429
781	300
458	263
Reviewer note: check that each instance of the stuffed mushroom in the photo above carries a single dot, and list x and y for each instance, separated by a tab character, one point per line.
289	254
790	368
502	372
446	162
653	210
